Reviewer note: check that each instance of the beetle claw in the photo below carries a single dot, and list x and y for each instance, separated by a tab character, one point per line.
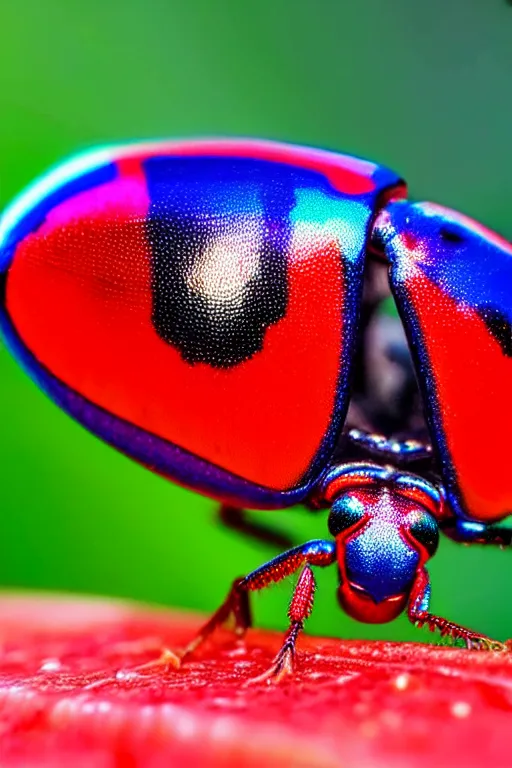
167	658
281	667
482	643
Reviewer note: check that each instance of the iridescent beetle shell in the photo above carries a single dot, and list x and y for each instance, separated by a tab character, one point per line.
452	281
196	304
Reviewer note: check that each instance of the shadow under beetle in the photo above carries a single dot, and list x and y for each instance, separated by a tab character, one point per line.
216	310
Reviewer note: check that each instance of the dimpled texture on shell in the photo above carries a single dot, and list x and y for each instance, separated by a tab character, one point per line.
196	304
452	280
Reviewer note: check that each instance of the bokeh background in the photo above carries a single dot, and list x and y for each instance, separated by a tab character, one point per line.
424	87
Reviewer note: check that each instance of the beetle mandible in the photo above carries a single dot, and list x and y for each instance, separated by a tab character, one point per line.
213	309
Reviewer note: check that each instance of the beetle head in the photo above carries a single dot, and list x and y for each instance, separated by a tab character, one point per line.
383	538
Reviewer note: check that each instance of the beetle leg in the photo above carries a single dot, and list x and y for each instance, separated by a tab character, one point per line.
299	610
317	552
468	532
419	614
236	605
235	518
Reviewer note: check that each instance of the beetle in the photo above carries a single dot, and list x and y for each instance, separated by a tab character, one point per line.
214	310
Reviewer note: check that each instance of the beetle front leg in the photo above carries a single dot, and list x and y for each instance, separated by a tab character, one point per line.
235	605
317	552
419	614
300	609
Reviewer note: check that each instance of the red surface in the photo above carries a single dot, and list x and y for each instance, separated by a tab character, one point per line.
472	376
67	697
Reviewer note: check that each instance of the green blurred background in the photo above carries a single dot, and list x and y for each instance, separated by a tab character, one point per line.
425	88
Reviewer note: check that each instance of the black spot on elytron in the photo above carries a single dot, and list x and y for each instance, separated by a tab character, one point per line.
451	236
499	326
212	302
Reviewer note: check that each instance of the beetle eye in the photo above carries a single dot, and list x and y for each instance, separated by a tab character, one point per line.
425	530
345	512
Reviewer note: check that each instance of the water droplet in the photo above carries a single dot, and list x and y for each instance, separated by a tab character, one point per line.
461	709
50	665
123	675
342	679
402	682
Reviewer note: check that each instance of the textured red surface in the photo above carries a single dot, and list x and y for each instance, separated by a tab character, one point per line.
67	697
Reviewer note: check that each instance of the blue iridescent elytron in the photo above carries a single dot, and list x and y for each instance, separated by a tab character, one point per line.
217	311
